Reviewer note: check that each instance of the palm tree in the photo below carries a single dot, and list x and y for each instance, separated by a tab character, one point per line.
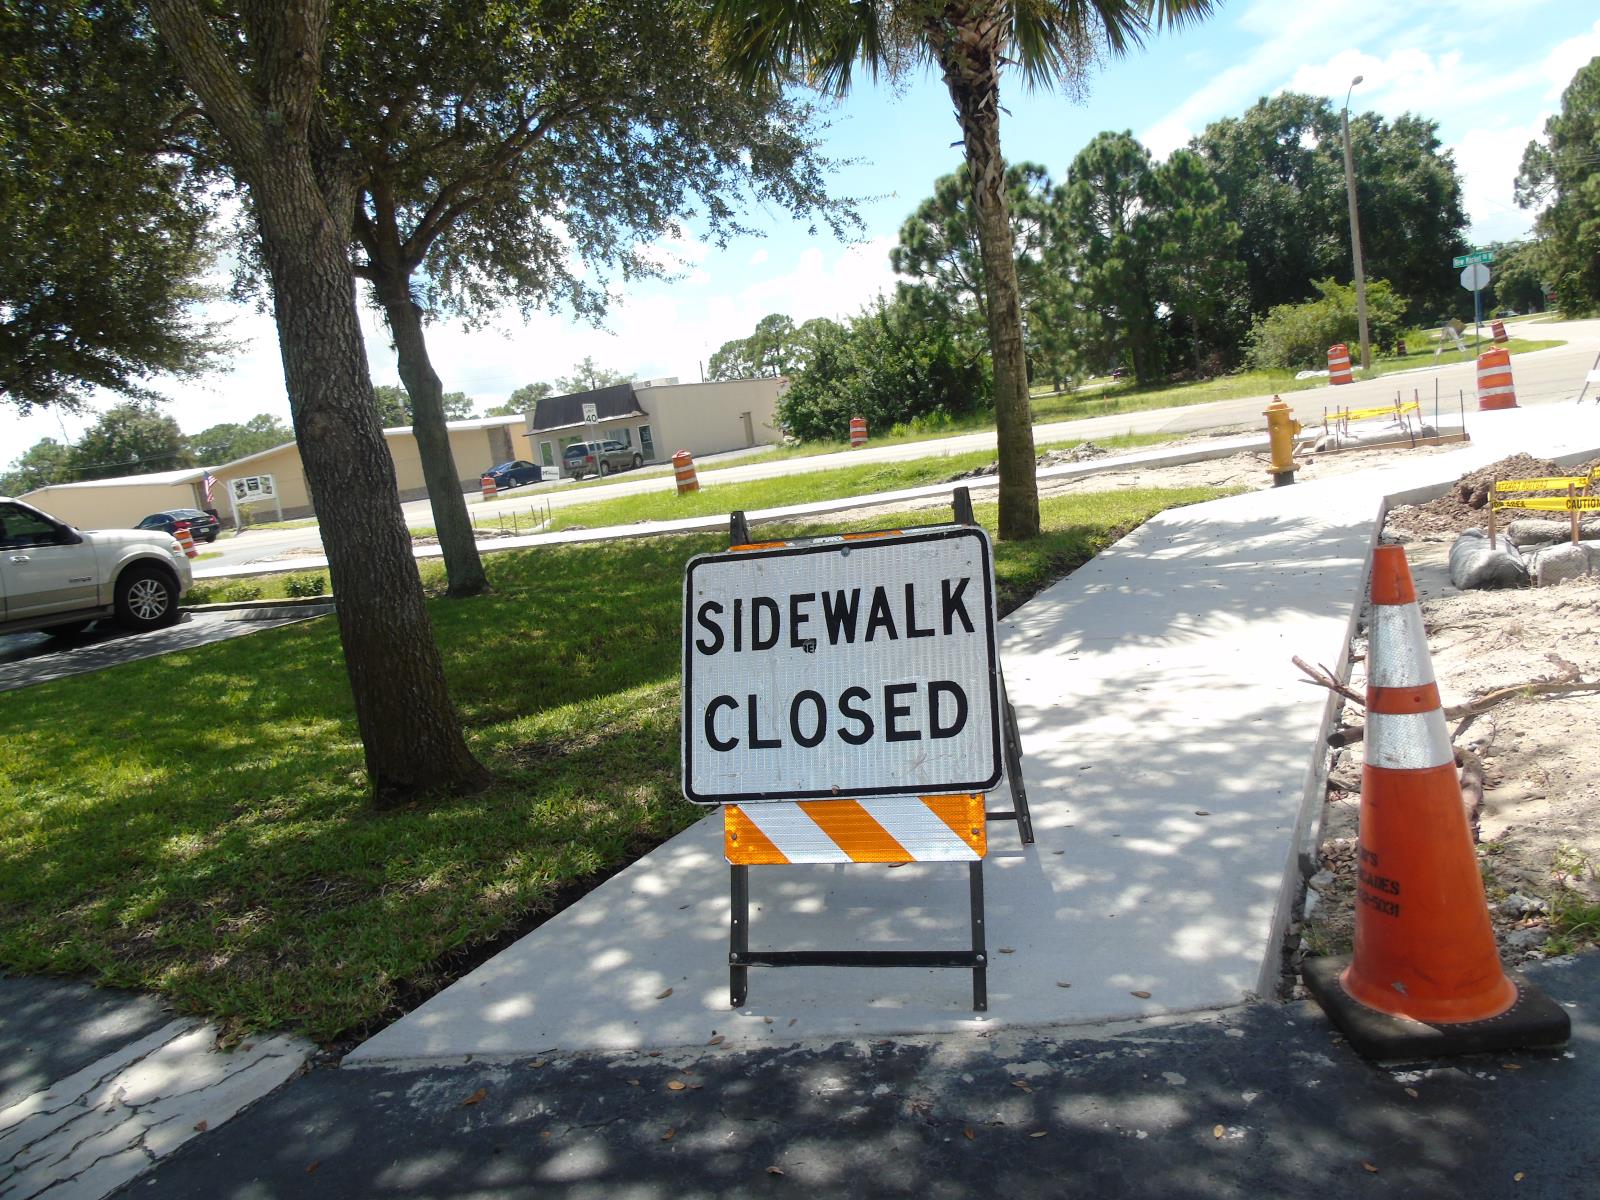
819	42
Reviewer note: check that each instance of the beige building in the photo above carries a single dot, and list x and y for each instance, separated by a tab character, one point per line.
659	417
476	446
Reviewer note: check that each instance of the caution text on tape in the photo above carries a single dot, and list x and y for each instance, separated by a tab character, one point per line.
1540	485
1551	503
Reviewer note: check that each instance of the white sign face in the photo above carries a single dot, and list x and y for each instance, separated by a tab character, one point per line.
844	667
1475	278
591	414
254	487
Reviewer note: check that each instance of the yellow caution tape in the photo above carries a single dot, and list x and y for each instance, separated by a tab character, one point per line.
1540	485
1551	503
1361	414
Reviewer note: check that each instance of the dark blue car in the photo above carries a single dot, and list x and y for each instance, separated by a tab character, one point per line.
514	474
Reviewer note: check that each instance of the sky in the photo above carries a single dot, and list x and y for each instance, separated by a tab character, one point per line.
1490	73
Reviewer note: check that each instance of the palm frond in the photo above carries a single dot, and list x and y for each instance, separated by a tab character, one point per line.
818	42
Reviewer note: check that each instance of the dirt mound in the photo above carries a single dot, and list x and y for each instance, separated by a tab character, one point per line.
1465	506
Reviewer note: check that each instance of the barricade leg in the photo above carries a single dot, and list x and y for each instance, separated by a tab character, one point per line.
739	937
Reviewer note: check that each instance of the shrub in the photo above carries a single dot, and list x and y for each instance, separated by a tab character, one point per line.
1297	336
892	365
239	593
305	585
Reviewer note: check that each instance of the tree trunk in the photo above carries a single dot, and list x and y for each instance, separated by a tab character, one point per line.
463	567
969	53
409	729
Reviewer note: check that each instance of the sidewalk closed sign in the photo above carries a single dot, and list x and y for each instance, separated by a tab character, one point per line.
857	665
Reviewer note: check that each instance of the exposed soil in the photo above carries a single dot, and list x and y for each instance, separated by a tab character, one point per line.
1466	507
1540	840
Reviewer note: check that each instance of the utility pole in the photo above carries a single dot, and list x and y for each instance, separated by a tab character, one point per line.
1355	232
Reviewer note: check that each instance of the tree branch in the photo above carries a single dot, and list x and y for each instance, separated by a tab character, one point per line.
205	65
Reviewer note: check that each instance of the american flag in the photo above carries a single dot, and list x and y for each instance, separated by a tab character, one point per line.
209	483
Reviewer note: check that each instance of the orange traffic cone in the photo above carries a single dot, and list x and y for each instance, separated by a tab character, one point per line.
1425	978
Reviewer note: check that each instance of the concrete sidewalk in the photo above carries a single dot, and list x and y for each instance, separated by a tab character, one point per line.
1172	760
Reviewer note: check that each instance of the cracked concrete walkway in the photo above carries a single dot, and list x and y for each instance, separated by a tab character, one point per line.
138	1084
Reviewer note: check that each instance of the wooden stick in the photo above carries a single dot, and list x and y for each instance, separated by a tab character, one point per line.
1473	708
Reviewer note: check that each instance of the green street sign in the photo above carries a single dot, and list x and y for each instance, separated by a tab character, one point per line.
1477	256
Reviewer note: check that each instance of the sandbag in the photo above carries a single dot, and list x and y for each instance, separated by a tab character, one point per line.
1532	531
1474	565
1557	564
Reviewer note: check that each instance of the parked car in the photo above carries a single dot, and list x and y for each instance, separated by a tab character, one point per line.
1118	372
515	474
203	526
598	458
58	579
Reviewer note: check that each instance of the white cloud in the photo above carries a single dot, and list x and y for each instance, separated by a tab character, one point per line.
759	257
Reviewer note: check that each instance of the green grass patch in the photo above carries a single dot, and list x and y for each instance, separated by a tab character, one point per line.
1125	398
757	494
197	824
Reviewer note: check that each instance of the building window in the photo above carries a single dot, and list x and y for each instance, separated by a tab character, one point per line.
647	442
627	436
547	456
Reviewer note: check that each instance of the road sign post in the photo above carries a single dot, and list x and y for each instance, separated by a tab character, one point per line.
1475	278
842	696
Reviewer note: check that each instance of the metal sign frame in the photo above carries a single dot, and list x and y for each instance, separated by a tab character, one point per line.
859	545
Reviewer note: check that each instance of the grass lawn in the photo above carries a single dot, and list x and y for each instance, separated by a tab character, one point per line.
756	494
1131	398
197	824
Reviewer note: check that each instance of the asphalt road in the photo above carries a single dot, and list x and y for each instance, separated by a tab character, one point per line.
1259	1101
1546	377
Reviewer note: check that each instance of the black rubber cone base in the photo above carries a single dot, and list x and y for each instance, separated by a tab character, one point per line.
1533	1021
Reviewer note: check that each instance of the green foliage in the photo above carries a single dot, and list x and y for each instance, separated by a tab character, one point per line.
130	439
1198	275
305	585
588	376
394	406
105	231
1519	274
890	365
229	440
776	347
238	593
1297	336
1280	169
1562	173
47	461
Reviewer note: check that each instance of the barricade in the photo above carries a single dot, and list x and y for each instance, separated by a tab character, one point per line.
1498	328
1495	388
683	468
180	530
777	808
1571	503
1425	977
858	432
486	482
1339	365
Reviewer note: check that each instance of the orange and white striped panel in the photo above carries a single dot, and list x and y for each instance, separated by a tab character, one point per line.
1495	388
882	829
1406	729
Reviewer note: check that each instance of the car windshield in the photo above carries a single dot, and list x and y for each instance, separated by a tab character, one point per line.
577	451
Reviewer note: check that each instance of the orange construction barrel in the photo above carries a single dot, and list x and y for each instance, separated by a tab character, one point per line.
858	432
1339	365
1495	389
489	489
1499	328
683	468
185	539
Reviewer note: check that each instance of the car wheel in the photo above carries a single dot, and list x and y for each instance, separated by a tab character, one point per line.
605	469
638	461
146	599
212	537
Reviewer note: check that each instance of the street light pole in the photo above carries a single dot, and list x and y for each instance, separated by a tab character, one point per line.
1355	232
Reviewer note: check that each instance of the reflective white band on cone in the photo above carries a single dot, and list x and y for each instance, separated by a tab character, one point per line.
1408	741
1397	649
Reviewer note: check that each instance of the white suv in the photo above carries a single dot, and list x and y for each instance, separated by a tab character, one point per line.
57	578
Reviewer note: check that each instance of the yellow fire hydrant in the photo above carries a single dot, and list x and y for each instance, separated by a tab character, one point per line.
1281	428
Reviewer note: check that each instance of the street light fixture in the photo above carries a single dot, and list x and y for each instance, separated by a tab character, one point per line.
1355	232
